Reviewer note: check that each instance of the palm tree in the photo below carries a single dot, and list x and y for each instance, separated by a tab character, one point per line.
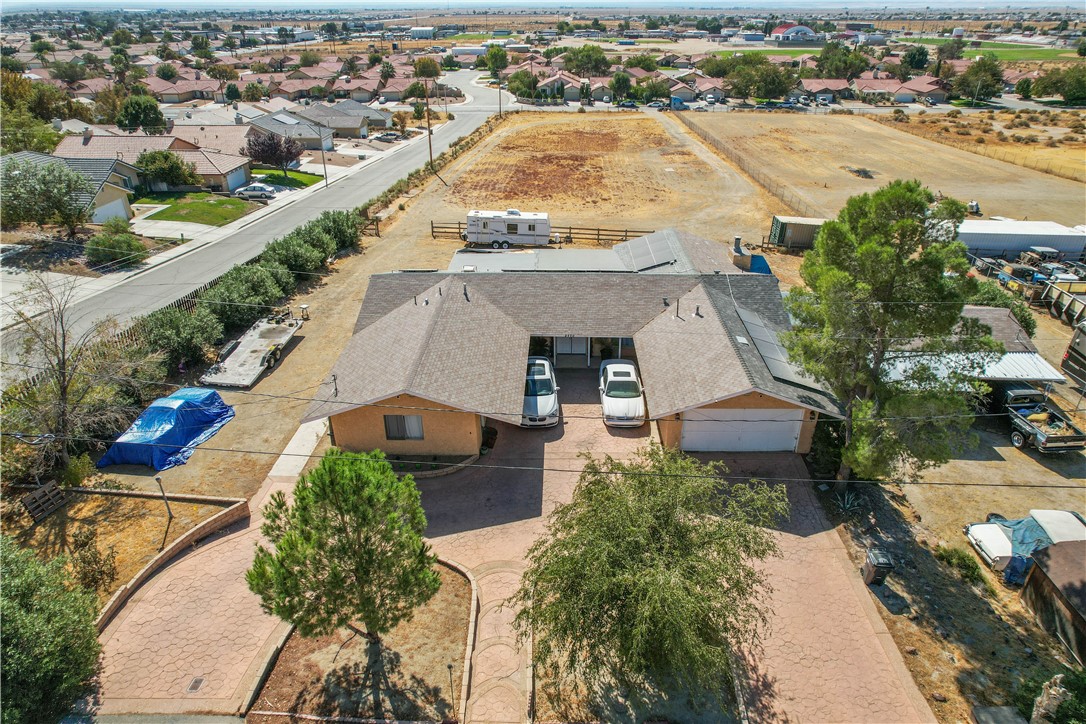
387	71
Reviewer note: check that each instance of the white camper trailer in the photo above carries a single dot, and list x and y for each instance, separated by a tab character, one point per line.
502	229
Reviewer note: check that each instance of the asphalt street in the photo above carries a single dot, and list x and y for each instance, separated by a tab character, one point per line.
163	283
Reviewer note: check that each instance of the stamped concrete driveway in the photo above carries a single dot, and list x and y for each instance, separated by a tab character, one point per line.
827	656
487	518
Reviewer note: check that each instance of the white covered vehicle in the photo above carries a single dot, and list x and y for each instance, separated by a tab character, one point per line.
999	540
512	227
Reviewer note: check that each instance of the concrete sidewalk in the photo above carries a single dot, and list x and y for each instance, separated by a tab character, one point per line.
86	287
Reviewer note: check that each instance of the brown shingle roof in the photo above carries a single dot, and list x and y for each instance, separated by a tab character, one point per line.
1065	565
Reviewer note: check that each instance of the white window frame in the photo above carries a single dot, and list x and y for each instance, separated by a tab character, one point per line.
403	427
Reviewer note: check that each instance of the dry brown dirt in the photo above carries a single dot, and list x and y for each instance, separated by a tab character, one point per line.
136	528
808	156
410	680
628	172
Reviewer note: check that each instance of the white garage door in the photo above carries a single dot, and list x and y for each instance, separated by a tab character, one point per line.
745	430
235	179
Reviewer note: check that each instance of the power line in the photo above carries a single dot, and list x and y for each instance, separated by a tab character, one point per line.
416	408
543	468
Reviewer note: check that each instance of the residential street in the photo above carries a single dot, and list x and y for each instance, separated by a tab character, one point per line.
162	283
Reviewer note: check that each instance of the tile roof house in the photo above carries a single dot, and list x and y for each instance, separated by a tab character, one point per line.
90	88
289	125
826	88
127	147
222	138
295	89
358	89
219	171
347	119
449	350
112	180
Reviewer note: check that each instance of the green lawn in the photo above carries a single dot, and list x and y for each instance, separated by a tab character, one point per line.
469	36
790	52
198	208
294	179
1007	51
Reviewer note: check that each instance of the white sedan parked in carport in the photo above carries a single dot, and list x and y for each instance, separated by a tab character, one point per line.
540	395
621	394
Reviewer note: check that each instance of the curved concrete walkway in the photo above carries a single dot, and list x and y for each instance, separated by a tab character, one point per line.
193	639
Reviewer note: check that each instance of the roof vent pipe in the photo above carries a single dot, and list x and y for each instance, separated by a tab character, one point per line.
697	310
739	245
666	302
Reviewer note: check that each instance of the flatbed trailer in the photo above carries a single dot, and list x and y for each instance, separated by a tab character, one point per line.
242	362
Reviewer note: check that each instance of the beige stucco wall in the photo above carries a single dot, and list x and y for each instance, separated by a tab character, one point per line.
444	433
670	429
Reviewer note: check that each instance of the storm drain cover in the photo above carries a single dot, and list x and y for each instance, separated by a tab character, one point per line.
195	684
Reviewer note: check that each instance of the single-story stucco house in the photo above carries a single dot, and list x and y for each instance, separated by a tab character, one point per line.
436	354
112	180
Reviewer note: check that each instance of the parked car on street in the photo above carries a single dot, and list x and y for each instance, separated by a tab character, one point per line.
621	394
702	109
540	395
656	104
255	191
627	104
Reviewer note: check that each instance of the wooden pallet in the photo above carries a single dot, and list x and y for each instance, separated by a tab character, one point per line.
44	501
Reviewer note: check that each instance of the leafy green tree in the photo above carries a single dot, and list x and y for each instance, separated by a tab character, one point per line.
674	588
24	131
230	43
168	168
1024	88
273	150
951	50
108	103
68	72
450	62
141	112
427	68
497	60
222	72
837	60
885	286
655	88
374	59
200	42
916	57
983	79
44	193
1069	83
415	90
166	72
232	93
123	37
643	61
523	84
49	640
92	568
11	64
242	295
341	226
620	85
307	59
990	294
252	92
348	551
316	237
1080	48
181	336
120	64
41	48
588	60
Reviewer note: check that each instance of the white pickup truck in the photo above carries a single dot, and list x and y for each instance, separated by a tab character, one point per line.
512	227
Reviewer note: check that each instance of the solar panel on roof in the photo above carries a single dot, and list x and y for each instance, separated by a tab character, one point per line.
648	253
769	347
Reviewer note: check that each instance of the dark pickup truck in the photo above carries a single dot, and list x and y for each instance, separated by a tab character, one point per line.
1038	422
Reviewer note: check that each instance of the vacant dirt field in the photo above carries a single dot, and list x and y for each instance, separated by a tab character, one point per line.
627	172
808	156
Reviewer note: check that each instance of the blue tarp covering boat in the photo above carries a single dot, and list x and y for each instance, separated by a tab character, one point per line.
170	429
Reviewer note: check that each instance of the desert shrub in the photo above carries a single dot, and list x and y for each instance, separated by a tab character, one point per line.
1077	126
79	469
581	110
965	564
1000	135
91	568
242	295
182	336
964	132
342	226
954	113
841	112
1071	138
123	248
450	117
1053	143
284	278
294	254
116	225
316	237
1072	711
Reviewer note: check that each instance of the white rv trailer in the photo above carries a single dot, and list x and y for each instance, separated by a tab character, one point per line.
502	229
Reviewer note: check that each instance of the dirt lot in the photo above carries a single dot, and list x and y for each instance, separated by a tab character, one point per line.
808	156
137	528
50	250
625	172
339	675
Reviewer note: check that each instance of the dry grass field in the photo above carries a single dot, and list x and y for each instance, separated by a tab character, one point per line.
810	157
